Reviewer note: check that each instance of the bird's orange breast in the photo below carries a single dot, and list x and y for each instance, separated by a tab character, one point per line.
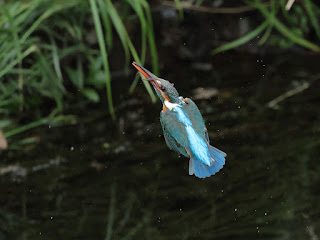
164	108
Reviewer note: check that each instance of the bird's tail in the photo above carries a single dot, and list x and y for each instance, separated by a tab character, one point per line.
202	170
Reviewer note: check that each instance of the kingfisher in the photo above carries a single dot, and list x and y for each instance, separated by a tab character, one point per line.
183	128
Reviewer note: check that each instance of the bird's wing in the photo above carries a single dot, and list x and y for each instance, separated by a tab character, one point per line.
195	116
173	130
177	123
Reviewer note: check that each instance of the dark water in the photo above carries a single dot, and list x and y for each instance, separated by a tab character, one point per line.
102	180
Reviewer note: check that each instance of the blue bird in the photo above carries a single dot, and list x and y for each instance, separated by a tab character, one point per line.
184	129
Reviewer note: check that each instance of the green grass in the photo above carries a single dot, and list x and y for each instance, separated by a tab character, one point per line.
104	54
44	46
46	54
291	32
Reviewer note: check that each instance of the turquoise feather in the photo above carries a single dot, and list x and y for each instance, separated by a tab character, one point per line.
184	129
185	132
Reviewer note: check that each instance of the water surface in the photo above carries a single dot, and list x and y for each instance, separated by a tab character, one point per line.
103	180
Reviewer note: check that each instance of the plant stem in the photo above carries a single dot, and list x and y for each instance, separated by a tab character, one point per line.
284	30
104	55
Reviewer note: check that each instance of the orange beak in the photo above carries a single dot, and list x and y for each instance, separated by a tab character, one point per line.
147	74
142	70
152	78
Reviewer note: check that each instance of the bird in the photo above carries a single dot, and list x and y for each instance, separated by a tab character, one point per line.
184	129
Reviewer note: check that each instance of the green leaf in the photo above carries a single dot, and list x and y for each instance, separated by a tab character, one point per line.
4	123
91	94
310	7
104	54
285	31
246	38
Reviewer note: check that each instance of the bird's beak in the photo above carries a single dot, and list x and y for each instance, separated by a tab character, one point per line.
149	76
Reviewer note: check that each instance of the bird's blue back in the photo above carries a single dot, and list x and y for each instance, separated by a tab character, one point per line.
185	132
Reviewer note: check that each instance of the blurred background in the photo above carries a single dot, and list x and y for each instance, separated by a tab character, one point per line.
82	155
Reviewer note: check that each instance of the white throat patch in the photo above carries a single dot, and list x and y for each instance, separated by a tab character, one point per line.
170	105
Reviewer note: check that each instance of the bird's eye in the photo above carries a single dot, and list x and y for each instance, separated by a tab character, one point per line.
163	88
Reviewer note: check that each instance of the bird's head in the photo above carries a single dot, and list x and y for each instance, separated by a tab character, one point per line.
164	89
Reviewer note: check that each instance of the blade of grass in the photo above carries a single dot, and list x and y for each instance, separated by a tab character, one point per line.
111	216
50	85
283	29
136	5
242	40
265	35
80	77
198	2
152	43
44	16
18	49
153	51
146	83
97	23
26	127
78	48
118	24
106	23
11	65
55	58
270	27
52	80
180	8
22	12
312	15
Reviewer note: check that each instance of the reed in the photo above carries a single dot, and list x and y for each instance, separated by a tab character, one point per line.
44	48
